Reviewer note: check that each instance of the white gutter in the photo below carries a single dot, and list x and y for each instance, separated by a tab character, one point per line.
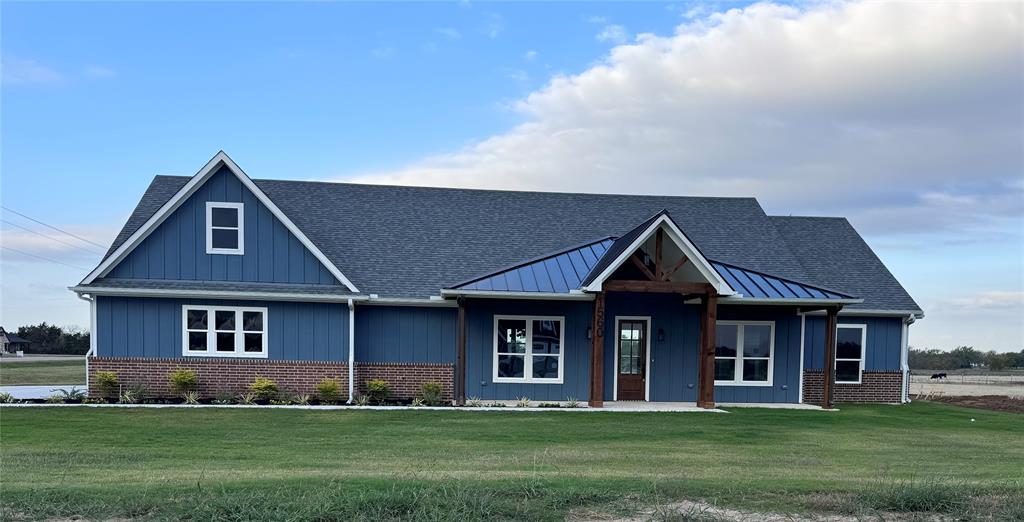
92	334
916	314
785	301
212	294
573	295
410	301
905	357
803	330
351	349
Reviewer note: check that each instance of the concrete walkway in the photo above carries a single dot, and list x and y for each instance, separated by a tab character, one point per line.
37	392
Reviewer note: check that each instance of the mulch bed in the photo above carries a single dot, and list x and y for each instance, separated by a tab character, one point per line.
984	402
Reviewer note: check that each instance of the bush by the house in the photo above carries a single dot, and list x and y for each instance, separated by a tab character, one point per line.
263	389
134	394
6	398
379	390
430	393
191	397
183	381
69	395
106	383
328	391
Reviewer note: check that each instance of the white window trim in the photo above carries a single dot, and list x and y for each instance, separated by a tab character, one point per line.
240	207
211	332
863	349
737	381
528	356
647	370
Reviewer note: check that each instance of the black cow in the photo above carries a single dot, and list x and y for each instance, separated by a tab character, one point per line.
939	375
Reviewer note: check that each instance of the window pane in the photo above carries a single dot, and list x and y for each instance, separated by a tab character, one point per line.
197	341
224	217
545	367
196	319
725	340
225	319
847	371
224	238
545	336
848	343
253	342
725	369
225	342
757	339
625	364
755	370
511	336
510	365
252	321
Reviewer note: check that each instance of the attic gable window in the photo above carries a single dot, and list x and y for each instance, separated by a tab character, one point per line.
225	227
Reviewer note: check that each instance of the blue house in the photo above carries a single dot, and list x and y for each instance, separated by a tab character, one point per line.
494	294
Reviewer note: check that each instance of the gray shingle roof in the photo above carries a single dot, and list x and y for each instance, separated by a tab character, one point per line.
834	255
412	241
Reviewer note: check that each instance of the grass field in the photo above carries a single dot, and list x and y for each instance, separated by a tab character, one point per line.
42	372
223	464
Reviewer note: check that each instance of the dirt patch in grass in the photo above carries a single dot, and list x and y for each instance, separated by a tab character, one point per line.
984	402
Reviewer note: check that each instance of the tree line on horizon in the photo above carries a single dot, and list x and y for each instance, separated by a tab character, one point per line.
52	339
963	357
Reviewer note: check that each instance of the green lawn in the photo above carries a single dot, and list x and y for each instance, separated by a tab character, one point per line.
207	464
42	372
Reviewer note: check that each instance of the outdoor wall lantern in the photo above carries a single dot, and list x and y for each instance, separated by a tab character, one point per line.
661	335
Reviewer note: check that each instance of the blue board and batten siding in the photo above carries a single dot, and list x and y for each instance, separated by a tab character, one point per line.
883	344
177	248
405	334
152	327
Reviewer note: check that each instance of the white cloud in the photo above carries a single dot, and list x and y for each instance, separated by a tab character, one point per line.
530	55
612	33
17	71
987	300
494	25
383	53
871	110
99	71
450	33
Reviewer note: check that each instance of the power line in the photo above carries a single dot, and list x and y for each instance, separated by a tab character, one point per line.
41	257
80	238
40	234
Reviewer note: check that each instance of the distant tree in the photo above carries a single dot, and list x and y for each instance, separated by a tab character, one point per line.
967	357
52	339
964	357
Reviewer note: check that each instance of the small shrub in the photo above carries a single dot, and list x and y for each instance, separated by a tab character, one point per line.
70	395
379	390
247	398
94	400
418	402
224	398
474	402
106	383
523	402
496	404
430	393
56	398
6	398
301	399
549	405
191	397
572	402
183	380
362	400
283	399
328	391
264	389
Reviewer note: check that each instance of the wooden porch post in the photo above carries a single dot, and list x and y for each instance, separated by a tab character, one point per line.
460	355
597	354
829	376
706	351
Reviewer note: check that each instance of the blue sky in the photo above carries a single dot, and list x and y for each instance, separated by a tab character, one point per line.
912	132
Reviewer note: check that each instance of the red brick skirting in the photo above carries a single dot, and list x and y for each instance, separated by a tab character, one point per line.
874	387
218	376
406	378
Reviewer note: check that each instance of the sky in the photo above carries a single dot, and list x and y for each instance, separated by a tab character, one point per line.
906	118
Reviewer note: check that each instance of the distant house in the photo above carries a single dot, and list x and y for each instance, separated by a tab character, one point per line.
11	343
495	294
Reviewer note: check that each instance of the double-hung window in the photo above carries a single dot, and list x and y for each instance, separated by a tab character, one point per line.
528	349
744	352
225	228
850	342
224	331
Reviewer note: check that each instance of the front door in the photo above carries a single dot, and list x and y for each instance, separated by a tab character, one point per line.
632	363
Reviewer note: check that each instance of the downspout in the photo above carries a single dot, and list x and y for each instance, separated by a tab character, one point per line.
803	330
92	334
351	350
905	358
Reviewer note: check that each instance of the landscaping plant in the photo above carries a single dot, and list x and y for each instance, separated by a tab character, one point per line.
264	389
328	391
183	381
430	393
106	383
379	390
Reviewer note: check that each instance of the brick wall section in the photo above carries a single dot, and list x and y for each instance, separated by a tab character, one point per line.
219	375
406	378
235	375
874	387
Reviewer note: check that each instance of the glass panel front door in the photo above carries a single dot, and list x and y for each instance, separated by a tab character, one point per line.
631	338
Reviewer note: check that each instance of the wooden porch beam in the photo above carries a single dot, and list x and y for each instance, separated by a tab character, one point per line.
829	371
706	352
643	268
665	287
668	275
460	355
597	354
659	240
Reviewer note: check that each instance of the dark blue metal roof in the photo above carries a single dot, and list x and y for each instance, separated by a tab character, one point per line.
558	272
757	285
